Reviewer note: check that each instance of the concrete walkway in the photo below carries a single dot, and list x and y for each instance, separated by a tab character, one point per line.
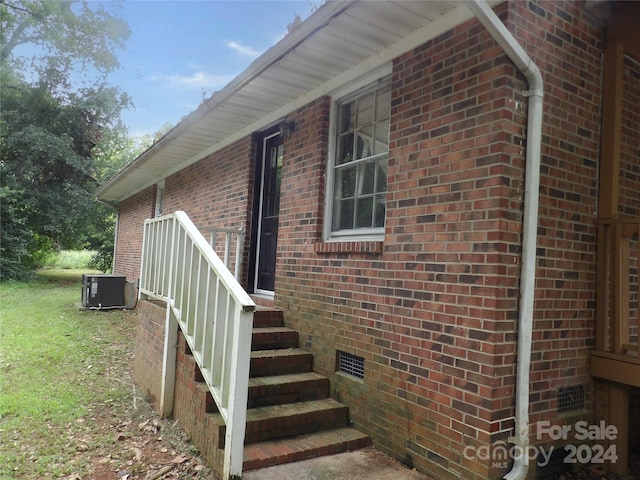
365	464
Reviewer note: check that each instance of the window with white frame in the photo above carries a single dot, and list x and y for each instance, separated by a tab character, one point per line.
159	198
359	167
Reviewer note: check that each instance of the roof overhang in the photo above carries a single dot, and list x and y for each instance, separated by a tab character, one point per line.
340	42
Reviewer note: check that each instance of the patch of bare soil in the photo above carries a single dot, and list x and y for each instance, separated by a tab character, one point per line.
595	472
123	438
134	443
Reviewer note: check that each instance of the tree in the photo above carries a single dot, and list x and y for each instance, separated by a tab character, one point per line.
49	162
61	36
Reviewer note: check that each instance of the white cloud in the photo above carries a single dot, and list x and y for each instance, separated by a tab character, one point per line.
195	81
243	50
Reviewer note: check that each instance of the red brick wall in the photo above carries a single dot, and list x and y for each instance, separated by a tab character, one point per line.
215	191
629	202
433	310
193	405
565	298
194	191
149	350
131	216
195	408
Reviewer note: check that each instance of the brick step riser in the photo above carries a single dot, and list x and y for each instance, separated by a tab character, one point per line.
268	366
263	395
273	340
293	425
262	319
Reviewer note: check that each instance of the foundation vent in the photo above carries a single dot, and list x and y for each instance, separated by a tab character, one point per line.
555	468
350	364
571	399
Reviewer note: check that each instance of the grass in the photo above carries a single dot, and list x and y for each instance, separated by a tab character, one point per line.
59	366
68	259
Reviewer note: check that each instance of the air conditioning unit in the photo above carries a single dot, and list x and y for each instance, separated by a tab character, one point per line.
103	291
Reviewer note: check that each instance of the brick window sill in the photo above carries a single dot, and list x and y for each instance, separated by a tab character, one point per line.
363	247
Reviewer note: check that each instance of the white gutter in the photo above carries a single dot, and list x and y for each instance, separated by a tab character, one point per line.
530	225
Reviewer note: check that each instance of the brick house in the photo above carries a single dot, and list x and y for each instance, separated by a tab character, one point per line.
465	279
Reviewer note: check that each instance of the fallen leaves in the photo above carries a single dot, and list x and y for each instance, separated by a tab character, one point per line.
137	453
147	450
159	473
112	442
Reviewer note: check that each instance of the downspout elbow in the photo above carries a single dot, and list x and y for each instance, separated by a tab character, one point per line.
534	78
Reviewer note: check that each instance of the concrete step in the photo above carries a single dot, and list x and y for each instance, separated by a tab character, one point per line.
281	389
310	445
273	337
280	362
281	421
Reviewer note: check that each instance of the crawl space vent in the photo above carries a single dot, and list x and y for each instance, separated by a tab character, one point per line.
570	398
350	364
555	468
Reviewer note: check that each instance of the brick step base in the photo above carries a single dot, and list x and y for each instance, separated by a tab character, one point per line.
280	421
290	415
277	452
283	389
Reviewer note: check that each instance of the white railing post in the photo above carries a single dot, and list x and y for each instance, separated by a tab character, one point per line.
226	254
238	396
217	330
169	363
239	248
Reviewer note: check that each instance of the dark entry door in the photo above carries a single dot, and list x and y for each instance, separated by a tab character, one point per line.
267	239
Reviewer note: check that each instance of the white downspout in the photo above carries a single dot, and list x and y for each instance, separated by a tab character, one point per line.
530	225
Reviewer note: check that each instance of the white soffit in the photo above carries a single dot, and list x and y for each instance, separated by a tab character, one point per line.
338	43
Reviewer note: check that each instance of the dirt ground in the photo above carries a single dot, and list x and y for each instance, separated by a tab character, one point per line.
125	439
142	446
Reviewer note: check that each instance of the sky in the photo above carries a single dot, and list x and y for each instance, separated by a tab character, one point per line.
181	51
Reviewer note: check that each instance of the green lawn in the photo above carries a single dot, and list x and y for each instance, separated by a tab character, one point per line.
59	366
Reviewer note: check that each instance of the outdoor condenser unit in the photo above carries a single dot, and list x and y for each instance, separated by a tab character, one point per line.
103	291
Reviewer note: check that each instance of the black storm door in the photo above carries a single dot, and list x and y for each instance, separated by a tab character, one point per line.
267	238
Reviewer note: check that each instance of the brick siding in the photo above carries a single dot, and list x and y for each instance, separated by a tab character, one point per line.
149	350
433	309
131	216
629	202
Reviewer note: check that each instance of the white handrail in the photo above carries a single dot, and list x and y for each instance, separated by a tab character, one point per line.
228	233
213	311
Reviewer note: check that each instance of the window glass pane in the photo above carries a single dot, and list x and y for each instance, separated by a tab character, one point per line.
274	177
365	110
343	214
345	149
382	137
347	117
364	147
383	104
364	210
366	178
345	182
